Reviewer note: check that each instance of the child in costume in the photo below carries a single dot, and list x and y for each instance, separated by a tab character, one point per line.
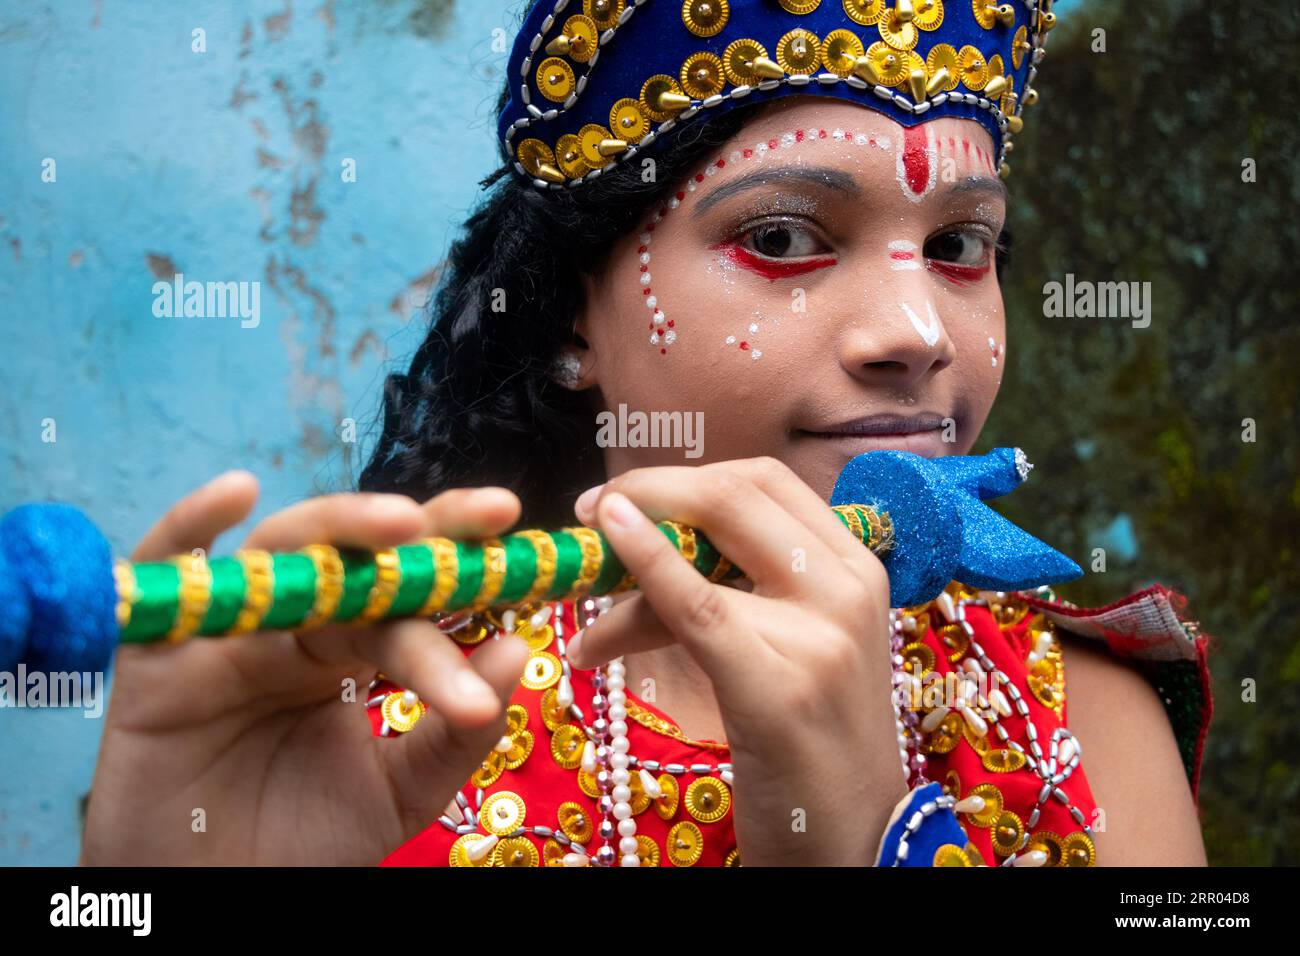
696	214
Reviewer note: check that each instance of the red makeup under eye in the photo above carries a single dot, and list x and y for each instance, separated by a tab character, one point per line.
959	274
771	269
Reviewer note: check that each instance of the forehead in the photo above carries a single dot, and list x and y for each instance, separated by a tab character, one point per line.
842	142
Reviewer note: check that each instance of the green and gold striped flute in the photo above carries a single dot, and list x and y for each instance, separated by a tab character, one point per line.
256	590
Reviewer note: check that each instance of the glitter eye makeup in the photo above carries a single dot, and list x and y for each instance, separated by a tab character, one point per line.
944	251
958	274
771	268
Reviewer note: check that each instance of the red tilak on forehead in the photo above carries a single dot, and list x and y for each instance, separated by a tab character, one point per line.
916	158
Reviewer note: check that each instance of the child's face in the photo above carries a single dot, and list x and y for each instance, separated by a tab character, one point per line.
789	291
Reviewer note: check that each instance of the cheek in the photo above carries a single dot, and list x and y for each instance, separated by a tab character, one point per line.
978	330
715	304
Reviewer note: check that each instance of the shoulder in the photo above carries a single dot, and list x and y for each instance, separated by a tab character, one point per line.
1134	688
1143	642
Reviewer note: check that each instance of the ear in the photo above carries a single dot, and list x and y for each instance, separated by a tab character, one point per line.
574	365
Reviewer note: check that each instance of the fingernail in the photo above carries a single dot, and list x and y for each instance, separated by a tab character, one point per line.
572	650
486	496
471	686
587	500
622	512
235	474
394	506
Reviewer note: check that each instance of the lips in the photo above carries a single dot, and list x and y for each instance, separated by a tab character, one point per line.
883	425
919	434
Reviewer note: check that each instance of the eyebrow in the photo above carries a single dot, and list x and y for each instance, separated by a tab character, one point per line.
979	184
831	178
826	176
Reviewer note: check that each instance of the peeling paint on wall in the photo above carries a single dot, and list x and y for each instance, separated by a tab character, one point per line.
224	166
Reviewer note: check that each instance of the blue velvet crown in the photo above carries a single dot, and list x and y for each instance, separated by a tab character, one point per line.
664	62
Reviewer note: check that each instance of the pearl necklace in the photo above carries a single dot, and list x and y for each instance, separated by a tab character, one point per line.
906	724
609	760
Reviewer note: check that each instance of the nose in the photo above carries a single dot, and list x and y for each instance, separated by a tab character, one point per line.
897	337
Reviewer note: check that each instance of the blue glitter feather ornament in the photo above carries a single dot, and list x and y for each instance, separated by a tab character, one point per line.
944	530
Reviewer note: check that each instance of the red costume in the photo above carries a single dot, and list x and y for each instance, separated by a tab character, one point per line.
543	808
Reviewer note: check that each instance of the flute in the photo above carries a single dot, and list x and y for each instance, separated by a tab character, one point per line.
65	604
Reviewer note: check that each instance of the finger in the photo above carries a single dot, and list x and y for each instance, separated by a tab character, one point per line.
420	657
790	491
694	609
435	752
197	519
364	520
629	627
471	512
771	545
782	485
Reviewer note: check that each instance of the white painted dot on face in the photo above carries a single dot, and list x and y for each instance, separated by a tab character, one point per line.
645	258
651	301
645	278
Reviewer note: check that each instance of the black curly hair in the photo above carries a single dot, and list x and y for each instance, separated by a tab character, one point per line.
478	405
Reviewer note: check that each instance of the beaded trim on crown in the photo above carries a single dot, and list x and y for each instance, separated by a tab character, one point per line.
599	86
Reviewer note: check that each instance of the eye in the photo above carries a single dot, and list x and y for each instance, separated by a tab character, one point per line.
958	246
783	240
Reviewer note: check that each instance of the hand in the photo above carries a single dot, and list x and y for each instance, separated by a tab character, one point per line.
253	730
800	665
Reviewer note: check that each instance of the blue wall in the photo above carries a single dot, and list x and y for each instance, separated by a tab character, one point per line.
226	166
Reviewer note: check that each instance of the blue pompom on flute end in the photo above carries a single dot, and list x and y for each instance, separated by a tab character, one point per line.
943	529
58	600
